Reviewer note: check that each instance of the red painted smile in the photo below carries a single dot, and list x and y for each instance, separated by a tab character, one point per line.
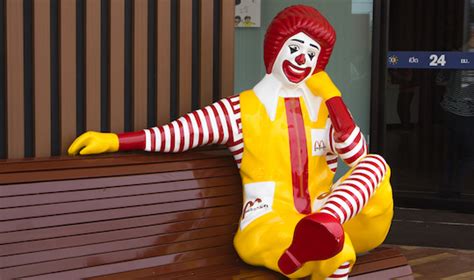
294	73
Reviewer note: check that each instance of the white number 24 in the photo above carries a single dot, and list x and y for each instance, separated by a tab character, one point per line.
437	60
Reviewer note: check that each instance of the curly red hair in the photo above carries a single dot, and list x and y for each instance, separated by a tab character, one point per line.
295	19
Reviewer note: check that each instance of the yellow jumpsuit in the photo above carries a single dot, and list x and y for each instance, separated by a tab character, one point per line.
269	215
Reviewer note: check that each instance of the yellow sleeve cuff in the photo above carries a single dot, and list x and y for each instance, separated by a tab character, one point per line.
321	85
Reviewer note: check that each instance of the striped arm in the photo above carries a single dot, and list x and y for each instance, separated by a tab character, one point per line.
331	154
219	123
342	272
331	160
236	144
351	149
352	194
346	139
213	124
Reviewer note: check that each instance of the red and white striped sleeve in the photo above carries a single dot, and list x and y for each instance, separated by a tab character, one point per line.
218	123
345	138
331	160
331	154
352	149
236	143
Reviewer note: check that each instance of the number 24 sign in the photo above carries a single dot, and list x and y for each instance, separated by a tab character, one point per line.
430	60
437	60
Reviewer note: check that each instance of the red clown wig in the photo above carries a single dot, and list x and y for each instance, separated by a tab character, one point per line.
291	21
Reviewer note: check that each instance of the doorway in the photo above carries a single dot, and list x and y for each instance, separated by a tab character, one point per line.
425	126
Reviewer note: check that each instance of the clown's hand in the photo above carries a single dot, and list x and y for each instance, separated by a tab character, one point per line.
321	85
92	142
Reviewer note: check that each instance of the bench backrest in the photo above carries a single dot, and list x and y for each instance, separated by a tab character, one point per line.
67	66
86	217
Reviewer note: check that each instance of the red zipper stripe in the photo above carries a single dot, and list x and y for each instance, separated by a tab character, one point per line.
298	155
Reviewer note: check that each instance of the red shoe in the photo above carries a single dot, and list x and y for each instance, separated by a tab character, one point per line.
318	236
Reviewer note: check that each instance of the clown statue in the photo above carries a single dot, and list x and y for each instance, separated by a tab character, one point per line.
285	135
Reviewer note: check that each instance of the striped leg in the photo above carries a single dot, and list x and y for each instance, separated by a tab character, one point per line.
352	194
342	273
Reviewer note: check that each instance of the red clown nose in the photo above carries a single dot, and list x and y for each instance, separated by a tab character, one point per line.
300	59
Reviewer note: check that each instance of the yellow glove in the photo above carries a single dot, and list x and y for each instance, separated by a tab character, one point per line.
92	142
321	85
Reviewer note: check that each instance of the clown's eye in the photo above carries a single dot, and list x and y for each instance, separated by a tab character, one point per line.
294	48
311	55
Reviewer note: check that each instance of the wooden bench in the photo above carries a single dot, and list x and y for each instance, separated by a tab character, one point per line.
130	216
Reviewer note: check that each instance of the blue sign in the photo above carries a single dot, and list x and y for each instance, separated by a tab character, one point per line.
431	60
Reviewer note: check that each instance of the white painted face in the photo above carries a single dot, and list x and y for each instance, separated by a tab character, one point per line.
297	59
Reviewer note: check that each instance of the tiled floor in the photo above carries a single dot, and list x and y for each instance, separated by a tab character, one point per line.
439	263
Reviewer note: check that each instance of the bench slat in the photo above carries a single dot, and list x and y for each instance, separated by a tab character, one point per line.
94	216
120	234
119	191
239	270
162	241
79	173
122	256
378	254
165	260
114	203
157	272
61	163
84	184
375	265
54	233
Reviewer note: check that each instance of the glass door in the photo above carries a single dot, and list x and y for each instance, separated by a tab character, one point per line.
428	103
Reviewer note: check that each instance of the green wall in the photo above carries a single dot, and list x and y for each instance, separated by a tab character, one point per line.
350	63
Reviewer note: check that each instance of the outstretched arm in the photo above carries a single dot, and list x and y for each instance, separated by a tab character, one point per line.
214	124
211	125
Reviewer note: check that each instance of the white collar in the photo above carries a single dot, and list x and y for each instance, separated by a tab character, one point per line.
270	88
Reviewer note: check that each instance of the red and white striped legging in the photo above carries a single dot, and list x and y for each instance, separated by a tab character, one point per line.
341	273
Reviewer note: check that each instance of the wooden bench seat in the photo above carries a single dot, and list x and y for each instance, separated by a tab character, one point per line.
130	216
382	263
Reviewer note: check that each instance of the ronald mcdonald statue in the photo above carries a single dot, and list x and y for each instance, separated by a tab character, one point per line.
286	135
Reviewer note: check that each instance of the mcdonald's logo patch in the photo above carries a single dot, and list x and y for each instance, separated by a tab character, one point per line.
318	141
